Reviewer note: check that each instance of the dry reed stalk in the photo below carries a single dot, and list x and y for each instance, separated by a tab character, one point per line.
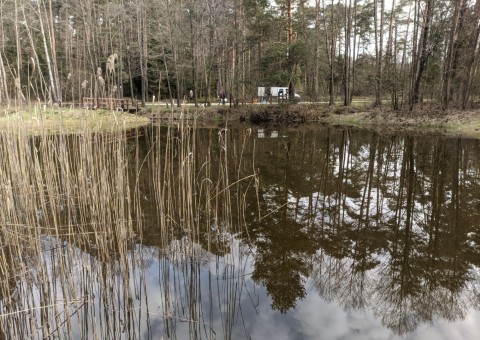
55	186
77	201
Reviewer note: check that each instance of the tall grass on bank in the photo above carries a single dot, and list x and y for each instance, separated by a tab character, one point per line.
74	208
61	193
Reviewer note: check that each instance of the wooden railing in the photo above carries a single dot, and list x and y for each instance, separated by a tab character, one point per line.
122	104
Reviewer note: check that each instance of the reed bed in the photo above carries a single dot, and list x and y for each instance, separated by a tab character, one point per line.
75	210
202	193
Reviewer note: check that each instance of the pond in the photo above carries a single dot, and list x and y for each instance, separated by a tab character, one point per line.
245	232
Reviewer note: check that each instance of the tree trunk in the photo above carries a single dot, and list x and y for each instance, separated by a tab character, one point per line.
471	62
316	73
4	97
391	58
56	76
53	95
354	49
449	63
424	53
18	79
142	42
330	41
346	61
378	51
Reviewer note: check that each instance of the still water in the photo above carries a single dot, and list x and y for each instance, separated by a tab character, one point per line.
241	233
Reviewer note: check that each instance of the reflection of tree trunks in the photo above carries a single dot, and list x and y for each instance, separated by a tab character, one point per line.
285	184
340	182
456	231
437	199
309	158
410	184
399	286
420	184
364	215
367	190
401	251
362	242
398	206
326	180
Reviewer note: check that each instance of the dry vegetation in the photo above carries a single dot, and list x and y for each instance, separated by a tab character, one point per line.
39	120
72	211
452	122
424	119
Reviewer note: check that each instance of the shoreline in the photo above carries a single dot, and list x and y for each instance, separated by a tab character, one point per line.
70	121
458	123
423	120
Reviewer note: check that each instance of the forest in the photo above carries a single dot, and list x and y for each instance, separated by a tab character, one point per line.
393	53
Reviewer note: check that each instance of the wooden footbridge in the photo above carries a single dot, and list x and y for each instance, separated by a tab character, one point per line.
122	104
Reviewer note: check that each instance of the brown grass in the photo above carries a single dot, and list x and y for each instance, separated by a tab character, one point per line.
76	201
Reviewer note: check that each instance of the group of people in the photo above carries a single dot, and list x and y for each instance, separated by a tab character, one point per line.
222	97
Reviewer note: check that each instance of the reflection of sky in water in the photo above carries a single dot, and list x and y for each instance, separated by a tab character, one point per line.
323	320
247	306
225	289
228	303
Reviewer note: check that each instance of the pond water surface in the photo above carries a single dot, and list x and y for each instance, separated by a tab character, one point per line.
242	233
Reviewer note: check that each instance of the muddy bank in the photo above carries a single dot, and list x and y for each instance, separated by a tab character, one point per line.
421	120
248	113
451	122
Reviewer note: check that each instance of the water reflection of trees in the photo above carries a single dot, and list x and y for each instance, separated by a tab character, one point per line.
393	220
388	223
381	222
